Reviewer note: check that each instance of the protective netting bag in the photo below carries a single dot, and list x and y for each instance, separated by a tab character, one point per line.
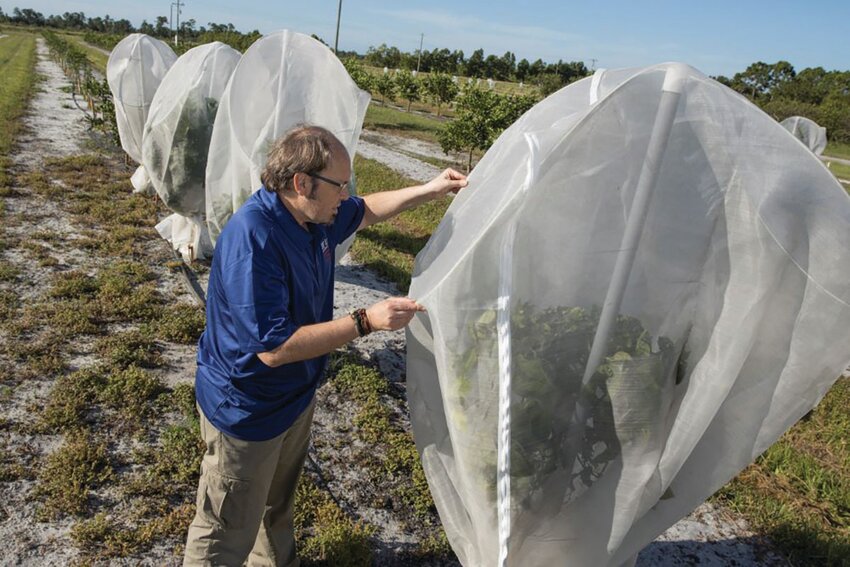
282	80
177	137
808	132
642	288
136	66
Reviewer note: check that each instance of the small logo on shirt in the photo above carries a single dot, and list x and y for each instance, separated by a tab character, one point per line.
326	250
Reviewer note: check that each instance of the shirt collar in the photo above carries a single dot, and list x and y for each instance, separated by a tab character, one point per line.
284	218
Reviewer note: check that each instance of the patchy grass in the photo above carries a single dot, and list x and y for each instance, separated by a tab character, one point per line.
129	348
8	271
38	356
181	323
132	392
69	475
174	464
127	292
375	426
71	400
71	318
798	491
104	537
9	303
390	248
18	463
72	285
326	535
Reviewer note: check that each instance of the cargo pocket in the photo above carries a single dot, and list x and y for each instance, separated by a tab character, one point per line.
223	501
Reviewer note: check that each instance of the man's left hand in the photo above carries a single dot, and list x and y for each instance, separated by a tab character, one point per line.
449	181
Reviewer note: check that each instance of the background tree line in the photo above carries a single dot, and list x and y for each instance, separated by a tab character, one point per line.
818	94
548	76
106	31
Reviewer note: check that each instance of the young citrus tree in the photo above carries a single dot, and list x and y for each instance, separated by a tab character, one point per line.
358	74
385	86
408	87
441	89
480	118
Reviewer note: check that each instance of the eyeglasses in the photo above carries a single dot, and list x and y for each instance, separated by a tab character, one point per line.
341	185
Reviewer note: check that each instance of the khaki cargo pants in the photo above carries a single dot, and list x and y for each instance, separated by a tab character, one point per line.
246	496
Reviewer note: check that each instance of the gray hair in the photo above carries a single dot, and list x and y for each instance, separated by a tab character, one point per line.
303	149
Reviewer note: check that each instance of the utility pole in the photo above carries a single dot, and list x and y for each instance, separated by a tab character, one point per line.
338	16
177	25
419	59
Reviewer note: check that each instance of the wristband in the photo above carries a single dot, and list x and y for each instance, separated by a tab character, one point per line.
361	322
364	319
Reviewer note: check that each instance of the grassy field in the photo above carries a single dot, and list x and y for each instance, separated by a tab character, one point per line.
842	172
17	67
389	248
399	122
837	149
797	493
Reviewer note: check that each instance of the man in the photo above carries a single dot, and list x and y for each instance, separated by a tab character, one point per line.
269	330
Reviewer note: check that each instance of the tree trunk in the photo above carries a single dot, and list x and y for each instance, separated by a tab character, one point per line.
409	102
469	162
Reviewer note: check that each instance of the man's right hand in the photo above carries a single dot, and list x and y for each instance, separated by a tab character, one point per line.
393	313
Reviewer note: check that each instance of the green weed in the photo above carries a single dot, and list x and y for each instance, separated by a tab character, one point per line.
325	534
174	466
36	357
9	303
182	400
69	317
69	474
71	399
102	537
72	285
18	463
129	348
180	323
131	392
8	271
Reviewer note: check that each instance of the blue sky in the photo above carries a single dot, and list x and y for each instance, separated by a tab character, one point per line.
718	37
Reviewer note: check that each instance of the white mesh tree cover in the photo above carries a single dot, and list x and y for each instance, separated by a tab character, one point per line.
642	288
136	66
282	80
808	132
177	137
